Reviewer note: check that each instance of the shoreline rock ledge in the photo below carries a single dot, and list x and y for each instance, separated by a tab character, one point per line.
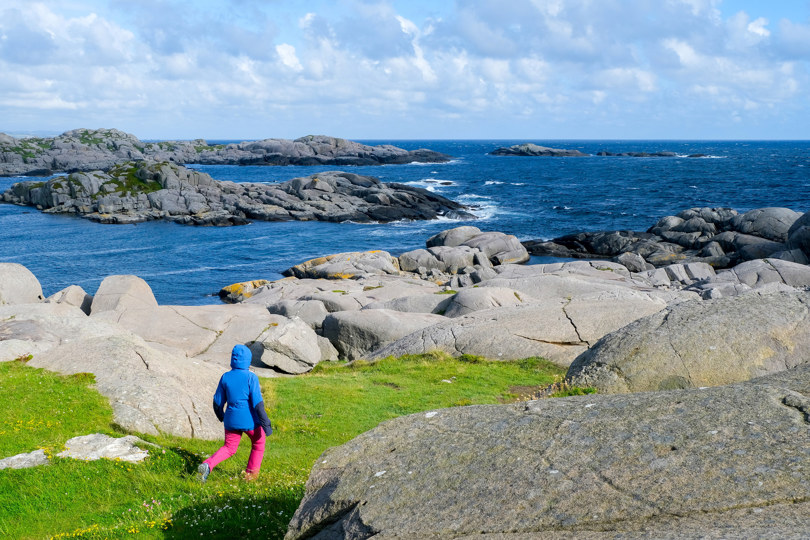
100	149
140	191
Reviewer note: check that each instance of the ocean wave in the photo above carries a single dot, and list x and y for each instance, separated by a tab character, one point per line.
493	183
195	270
563	207
471	196
433	164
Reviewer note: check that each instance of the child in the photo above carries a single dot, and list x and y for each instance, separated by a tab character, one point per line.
239	389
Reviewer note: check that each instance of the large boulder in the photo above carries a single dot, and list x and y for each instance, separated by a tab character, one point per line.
151	391
18	285
701	343
287	345
346	266
498	247
770	223
73	295
355	333
726	462
121	293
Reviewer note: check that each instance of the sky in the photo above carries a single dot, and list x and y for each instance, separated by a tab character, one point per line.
408	69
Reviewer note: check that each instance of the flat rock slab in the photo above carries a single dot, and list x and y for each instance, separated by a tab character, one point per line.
28	329
100	446
85	447
559	326
25	461
726	462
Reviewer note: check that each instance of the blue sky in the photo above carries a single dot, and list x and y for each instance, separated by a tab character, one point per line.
410	69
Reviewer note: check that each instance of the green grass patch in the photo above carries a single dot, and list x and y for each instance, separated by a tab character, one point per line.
86	137
40	409
125	179
161	498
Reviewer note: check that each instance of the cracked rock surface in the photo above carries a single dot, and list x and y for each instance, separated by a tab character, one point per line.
701	343
557	327
724	462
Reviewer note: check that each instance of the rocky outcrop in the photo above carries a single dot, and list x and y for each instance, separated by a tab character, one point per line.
530	149
717	236
726	462
750	275
101	149
701	343
141	191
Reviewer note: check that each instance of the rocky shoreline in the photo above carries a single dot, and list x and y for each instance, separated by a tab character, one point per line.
101	149
700	426
140	191
720	237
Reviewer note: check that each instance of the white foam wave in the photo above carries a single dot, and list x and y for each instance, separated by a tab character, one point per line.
472	196
492	183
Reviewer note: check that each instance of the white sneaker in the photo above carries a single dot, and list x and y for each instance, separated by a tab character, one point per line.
204	470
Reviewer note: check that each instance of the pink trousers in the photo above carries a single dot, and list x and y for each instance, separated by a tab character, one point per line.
232	439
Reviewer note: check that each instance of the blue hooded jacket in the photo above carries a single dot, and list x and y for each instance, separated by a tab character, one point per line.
239	389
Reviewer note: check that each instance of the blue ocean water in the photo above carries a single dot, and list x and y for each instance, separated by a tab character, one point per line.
530	197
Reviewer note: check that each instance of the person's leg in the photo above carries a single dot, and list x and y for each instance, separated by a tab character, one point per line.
257	439
228	449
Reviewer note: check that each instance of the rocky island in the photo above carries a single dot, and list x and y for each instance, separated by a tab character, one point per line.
530	149
101	149
139	191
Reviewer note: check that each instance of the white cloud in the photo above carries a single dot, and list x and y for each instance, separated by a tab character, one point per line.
288	57
160	64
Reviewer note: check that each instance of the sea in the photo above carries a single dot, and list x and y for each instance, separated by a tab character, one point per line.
529	197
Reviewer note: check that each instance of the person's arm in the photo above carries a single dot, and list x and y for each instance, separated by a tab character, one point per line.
219	402
257	401
265	422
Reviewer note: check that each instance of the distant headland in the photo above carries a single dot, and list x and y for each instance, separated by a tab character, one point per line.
82	150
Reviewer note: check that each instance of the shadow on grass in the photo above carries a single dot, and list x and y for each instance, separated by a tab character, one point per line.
236	516
190	460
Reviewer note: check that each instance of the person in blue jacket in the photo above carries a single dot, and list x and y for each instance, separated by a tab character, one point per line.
239	390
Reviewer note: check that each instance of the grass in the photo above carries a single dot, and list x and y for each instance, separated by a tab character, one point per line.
161	498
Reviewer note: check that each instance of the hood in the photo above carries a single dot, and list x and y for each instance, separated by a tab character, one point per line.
241	357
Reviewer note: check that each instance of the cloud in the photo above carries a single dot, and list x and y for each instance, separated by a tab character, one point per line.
321	66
